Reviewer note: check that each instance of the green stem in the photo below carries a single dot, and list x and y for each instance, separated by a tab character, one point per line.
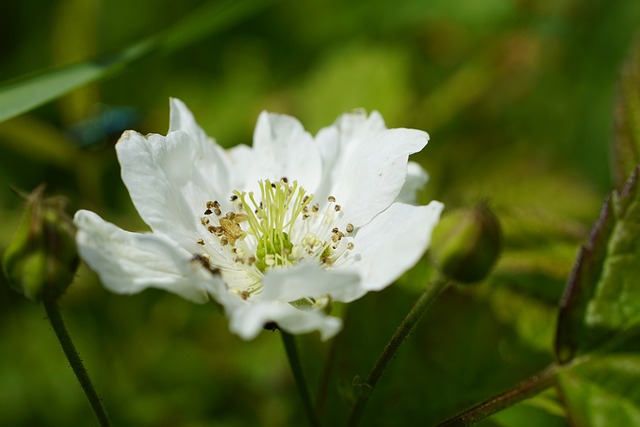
291	349
325	377
53	313
524	390
413	317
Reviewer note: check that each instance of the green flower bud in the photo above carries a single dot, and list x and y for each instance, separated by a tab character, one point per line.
466	244
42	259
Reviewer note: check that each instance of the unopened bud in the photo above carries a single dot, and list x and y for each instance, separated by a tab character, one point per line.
41	260
466	243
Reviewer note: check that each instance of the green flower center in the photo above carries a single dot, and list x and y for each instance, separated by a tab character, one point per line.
279	230
272	220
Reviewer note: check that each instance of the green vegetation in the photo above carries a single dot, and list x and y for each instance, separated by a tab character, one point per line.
519	98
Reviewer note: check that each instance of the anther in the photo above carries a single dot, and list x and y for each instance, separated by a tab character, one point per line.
349	228
217	211
331	199
208	212
204	220
201	242
337	208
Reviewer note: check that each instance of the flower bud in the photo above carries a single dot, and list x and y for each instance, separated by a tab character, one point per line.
466	243
42	259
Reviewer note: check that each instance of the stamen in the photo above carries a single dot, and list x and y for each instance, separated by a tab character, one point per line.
277	227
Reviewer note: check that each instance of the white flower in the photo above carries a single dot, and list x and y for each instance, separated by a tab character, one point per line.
273	232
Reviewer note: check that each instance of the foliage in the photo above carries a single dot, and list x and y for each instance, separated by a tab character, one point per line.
517	98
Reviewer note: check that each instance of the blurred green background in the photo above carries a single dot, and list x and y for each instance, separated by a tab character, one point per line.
517	96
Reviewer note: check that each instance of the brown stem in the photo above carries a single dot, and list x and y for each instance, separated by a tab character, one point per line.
524	390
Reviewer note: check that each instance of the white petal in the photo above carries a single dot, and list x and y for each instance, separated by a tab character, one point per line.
239	159
181	119
393	242
282	148
417	177
248	320
170	179
306	280
230	164
128	263
370	167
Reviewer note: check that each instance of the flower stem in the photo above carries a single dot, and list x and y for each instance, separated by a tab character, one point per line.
524	390
53	313
327	370
410	321
291	349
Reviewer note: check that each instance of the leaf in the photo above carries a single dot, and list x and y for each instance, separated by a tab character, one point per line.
626	147
602	298
603	392
598	333
39	140
25	93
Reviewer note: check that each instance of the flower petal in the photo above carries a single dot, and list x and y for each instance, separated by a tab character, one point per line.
128	263
417	177
306	280
369	166
181	119
282	148
393	242
249	319
170	180
230	163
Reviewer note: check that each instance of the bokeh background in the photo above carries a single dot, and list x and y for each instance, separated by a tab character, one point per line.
517	96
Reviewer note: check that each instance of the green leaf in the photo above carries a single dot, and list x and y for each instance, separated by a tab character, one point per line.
626	147
603	391
598	333
602	298
25	93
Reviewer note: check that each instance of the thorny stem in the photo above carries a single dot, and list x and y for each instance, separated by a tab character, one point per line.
291	349
53	313
524	390
410	321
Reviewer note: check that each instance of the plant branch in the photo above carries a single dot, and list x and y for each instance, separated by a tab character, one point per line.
524	390
291	349
53	313
410	321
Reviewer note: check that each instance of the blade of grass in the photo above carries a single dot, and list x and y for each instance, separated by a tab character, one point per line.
24	93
